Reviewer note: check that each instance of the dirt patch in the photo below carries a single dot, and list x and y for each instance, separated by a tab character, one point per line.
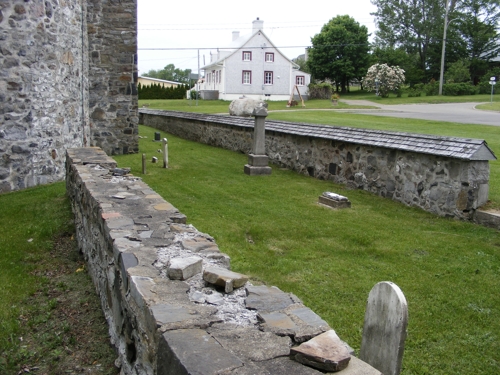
63	329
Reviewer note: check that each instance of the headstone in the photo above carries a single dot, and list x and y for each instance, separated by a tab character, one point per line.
165	153
257	159
157	136
334	200
384	331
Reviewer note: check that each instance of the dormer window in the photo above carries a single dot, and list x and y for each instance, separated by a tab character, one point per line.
269	57
247	56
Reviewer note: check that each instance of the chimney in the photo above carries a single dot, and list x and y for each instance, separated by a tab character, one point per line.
257	25
236	35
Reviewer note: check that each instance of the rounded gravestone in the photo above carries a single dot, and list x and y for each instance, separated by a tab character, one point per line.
384	330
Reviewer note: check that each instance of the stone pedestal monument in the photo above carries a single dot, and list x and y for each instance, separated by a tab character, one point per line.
257	159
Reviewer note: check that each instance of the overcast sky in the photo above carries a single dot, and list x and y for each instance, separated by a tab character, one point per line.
183	27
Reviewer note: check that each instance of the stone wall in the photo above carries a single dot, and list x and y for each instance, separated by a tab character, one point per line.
112	39
51	71
445	176
200	318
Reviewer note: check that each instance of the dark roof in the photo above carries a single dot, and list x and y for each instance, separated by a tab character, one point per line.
459	148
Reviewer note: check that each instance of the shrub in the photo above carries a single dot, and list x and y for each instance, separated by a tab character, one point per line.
320	90
457	89
383	78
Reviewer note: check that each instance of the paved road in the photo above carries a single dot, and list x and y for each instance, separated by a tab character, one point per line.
451	112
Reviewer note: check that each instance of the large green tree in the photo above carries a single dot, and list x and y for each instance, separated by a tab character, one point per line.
418	25
340	52
415	25
479	26
170	73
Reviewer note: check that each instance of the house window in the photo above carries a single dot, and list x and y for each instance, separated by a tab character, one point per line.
269	57
300	80
247	77
247	56
268	78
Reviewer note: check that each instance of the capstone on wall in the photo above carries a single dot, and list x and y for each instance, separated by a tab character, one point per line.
445	186
48	82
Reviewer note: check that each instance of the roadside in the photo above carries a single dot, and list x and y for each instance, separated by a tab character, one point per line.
465	113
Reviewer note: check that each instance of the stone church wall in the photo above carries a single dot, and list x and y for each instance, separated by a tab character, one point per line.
52	87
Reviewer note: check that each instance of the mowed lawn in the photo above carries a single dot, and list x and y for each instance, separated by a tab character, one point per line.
274	231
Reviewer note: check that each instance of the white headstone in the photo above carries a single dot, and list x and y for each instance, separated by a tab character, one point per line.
384	330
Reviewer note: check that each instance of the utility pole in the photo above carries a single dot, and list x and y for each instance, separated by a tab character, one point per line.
450	5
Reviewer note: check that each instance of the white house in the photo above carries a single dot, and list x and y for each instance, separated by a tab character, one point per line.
252	66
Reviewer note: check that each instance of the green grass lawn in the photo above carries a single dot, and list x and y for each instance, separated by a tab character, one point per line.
314	114
274	231
220	106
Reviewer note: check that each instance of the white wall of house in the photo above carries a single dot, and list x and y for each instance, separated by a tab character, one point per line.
255	69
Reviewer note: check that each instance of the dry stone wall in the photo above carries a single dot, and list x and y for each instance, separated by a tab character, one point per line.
171	302
67	78
445	176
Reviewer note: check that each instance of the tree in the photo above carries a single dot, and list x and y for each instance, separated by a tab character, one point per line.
170	73
458	72
479	28
399	57
383	79
340	52
302	63
415	25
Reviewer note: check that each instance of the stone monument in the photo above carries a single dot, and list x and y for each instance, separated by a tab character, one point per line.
384	330
257	159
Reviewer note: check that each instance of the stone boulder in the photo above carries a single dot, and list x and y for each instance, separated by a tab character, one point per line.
245	106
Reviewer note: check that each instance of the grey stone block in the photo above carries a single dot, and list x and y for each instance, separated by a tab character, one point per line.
264	345
257	171
127	260
266	299
184	268
227	279
193	351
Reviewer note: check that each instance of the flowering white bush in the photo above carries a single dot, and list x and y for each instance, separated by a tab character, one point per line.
390	78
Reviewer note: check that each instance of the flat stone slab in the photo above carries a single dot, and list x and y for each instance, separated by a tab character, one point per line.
286	366
325	352
267	299
166	313
193	351
278	323
264	345
309	317
358	367
198	244
184	268
227	279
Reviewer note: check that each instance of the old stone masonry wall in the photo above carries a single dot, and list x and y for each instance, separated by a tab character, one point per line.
66	67
43	89
442	175
171	301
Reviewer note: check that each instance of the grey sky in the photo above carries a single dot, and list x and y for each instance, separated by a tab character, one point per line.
184	27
